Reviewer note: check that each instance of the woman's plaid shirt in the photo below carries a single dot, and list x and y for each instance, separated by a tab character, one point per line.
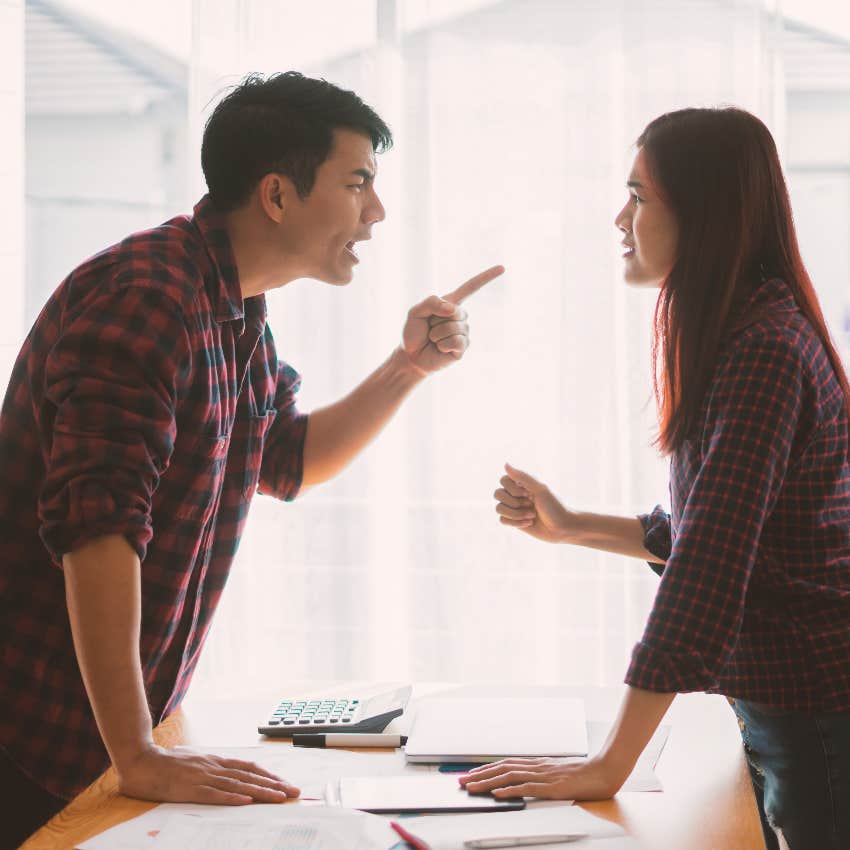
754	599
148	400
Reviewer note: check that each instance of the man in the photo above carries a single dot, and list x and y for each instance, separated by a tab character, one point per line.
146	407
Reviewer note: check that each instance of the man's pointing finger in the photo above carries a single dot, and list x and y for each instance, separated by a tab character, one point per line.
473	285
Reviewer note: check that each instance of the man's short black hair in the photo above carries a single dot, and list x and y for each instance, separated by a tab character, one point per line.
284	124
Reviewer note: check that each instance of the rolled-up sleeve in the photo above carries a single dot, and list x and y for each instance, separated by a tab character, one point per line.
282	467
114	376
656	536
752	413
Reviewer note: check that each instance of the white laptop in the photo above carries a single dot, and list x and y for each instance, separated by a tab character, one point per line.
461	730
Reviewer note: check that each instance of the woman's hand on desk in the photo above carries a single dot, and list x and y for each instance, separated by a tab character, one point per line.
181	776
545	778
527	504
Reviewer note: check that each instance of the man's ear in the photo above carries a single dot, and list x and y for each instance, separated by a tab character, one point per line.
275	192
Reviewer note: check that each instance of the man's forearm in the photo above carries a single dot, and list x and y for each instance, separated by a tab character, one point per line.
103	591
622	535
336	434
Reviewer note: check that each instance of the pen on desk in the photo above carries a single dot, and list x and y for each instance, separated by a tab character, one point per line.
348	739
523	840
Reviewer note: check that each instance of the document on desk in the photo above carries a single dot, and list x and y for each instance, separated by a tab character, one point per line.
448	832
268	827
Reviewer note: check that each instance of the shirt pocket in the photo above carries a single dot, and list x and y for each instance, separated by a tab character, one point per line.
253	430
200	477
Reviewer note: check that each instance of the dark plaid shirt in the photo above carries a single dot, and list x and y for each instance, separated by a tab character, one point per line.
754	600
148	400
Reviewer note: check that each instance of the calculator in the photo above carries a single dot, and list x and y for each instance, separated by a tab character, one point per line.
346	714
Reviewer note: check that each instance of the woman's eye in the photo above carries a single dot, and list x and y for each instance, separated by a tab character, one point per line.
357	186
637	199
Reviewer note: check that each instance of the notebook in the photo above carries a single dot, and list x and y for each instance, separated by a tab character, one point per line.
482	730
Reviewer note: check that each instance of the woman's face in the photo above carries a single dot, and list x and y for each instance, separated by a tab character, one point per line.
650	230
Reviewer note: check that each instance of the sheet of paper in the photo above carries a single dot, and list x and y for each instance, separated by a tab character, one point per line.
139	832
292	828
287	827
448	832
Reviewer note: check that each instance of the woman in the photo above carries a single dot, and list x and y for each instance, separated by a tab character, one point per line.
754	598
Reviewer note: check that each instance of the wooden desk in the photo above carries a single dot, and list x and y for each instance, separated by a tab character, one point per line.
707	803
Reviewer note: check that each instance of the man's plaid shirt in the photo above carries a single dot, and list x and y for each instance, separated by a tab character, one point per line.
148	400
754	599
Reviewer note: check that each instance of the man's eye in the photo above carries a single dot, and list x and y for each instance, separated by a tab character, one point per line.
637	199
356	185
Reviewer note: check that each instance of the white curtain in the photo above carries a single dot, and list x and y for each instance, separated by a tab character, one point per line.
513	123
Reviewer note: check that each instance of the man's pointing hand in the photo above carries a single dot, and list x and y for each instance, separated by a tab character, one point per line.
436	333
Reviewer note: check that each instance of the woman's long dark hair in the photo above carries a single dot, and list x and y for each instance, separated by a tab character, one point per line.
719	171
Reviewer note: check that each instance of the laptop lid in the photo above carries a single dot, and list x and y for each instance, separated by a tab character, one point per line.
479	730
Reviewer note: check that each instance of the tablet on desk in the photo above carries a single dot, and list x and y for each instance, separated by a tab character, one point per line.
435	792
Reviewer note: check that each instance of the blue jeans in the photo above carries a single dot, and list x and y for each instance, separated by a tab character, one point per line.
800	768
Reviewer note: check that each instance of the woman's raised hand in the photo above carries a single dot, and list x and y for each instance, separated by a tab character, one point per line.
527	504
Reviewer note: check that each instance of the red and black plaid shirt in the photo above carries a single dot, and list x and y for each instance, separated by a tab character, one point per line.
754	600
148	400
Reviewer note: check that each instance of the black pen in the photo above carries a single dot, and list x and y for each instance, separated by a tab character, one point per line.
348	739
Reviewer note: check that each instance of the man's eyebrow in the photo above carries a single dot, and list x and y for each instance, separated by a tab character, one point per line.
364	173
634	184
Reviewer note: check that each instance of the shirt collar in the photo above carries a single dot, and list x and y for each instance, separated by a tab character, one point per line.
771	297
223	285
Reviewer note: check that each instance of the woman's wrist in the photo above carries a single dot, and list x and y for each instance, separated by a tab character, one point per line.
611	772
579	529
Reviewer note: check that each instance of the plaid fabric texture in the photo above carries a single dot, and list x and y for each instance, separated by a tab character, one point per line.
148	400
754	599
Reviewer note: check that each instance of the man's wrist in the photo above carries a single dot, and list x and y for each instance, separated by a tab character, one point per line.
403	368
126	755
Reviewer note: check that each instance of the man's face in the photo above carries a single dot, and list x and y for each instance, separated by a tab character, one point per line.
650	229
321	230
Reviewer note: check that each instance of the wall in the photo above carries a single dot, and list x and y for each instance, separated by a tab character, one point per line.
91	180
11	182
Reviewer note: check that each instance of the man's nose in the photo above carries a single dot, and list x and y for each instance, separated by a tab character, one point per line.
375	211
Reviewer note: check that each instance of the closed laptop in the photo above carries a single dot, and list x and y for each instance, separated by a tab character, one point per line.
479	730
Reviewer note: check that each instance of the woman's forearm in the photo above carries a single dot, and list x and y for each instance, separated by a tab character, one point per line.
622	535
640	713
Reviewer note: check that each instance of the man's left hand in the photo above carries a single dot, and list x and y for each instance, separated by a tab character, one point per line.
436	333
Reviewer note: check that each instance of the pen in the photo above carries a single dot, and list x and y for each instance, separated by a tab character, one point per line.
348	739
523	840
